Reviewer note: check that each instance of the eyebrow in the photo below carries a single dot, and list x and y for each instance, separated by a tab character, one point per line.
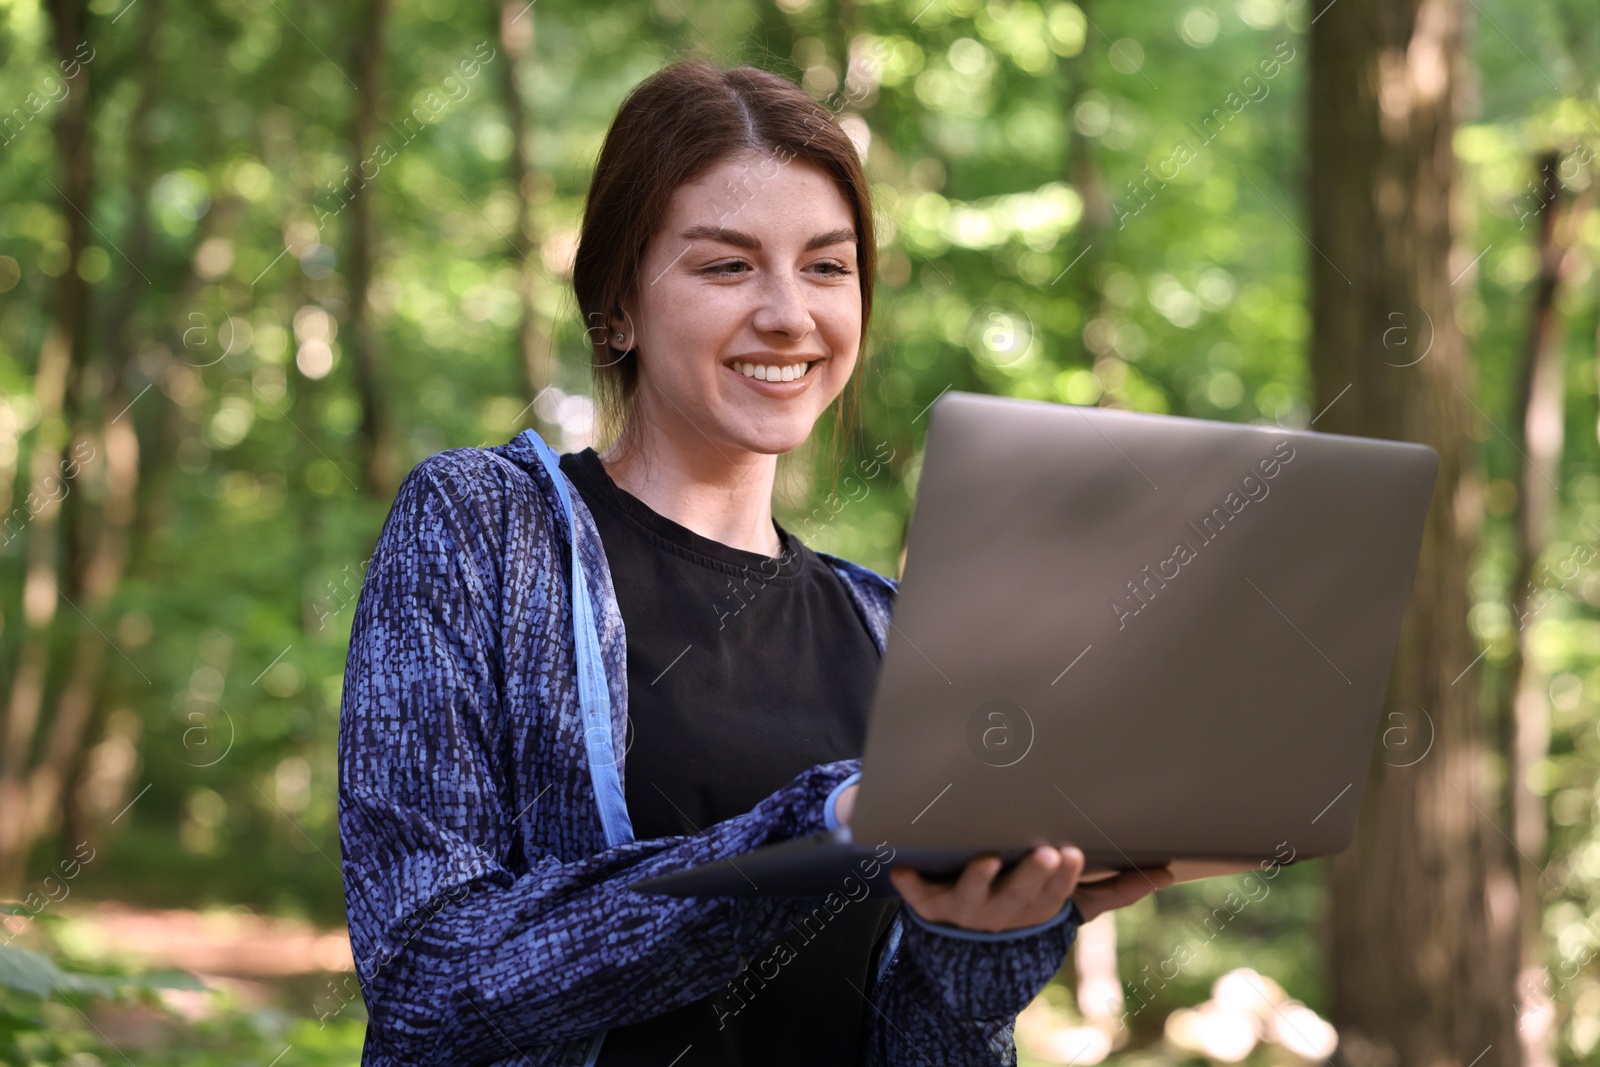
744	240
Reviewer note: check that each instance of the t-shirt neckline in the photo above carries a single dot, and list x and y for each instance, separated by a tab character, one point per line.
679	538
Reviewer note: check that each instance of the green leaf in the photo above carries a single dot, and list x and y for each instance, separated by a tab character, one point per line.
16	1019
91	985
169	978
28	972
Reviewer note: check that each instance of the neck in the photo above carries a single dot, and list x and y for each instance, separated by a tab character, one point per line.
718	491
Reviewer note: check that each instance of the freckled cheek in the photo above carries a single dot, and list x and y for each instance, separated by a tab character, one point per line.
694	322
838	314
842	332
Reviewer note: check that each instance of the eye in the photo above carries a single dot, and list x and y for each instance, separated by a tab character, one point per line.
725	268
835	269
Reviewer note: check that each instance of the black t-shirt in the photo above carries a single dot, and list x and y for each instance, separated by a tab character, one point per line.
743	670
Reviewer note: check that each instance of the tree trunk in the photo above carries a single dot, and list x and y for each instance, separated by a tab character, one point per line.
841	31
1099	982
516	27
1080	278
191	338
1537	414
379	466
101	567
60	358
1423	914
1099	977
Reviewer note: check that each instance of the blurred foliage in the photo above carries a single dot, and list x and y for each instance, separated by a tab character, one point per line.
219	712
42	1003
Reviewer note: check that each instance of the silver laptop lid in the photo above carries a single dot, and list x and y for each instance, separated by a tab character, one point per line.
1153	637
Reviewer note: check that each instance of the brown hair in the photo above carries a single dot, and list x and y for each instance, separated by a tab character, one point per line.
676	125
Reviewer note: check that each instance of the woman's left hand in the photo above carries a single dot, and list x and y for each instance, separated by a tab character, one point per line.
1032	892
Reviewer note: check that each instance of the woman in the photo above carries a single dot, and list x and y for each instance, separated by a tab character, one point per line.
533	626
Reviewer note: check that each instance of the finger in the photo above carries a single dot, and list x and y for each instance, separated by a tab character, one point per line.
924	893
1059	867
1061	883
1152	878
1063	880
930	900
910	885
972	889
1121	891
1097	903
1148	878
1128	882
1022	888
912	889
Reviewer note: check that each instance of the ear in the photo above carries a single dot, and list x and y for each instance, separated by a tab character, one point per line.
621	334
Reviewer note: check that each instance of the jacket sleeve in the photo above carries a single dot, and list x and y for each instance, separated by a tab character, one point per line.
945	995
467	949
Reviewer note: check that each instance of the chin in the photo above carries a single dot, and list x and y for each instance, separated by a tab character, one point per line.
774	441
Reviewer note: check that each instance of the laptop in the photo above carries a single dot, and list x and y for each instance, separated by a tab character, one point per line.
1160	639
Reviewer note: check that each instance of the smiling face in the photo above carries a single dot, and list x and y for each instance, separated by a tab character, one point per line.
747	318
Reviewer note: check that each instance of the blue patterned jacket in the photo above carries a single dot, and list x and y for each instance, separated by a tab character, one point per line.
486	861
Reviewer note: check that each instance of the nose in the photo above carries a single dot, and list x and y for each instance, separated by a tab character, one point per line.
783	308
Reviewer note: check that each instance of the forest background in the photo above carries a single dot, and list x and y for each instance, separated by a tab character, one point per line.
257	259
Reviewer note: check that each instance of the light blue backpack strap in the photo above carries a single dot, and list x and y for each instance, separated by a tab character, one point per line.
594	694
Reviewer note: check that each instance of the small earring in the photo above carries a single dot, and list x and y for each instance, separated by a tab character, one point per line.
619	338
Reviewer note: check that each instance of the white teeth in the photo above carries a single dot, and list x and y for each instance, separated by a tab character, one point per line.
767	373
